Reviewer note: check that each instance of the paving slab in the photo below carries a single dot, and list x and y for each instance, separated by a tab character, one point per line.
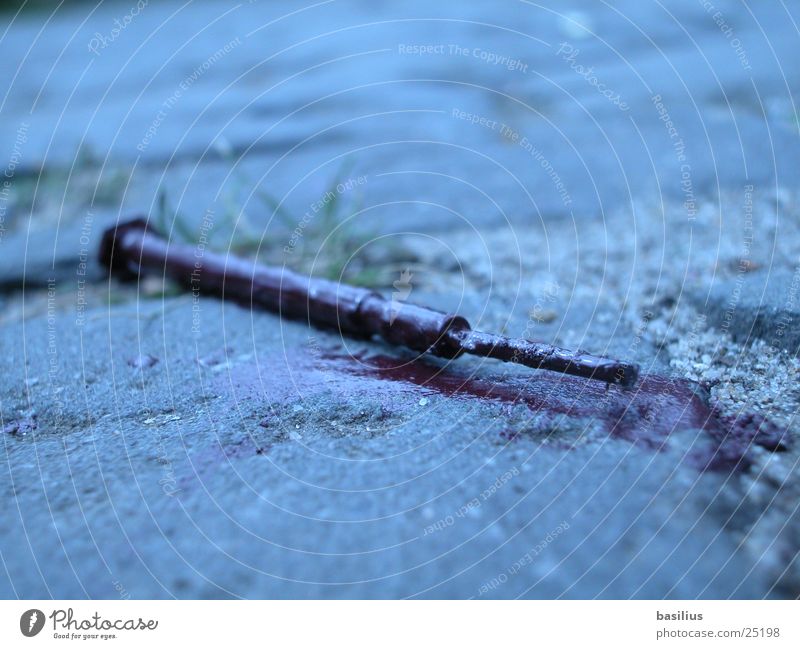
157	445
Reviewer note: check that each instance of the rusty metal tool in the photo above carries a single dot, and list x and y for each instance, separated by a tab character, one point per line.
135	248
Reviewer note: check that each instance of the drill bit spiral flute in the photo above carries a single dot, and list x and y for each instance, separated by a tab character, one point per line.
134	248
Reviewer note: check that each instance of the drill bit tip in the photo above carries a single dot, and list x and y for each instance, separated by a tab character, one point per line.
547	357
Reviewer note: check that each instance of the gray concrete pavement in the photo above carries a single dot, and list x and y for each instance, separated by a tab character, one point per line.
617	178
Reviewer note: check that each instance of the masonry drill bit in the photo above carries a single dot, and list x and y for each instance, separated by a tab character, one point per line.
134	248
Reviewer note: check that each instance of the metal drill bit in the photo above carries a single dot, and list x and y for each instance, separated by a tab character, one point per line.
134	248
546	357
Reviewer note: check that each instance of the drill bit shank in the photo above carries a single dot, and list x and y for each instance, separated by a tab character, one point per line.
133	248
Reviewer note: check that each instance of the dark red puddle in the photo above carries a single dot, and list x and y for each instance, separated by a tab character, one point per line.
645	415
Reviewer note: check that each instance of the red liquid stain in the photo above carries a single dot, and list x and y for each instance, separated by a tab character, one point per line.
294	379
645	414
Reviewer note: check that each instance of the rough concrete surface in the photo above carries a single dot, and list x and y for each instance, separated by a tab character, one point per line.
158	444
